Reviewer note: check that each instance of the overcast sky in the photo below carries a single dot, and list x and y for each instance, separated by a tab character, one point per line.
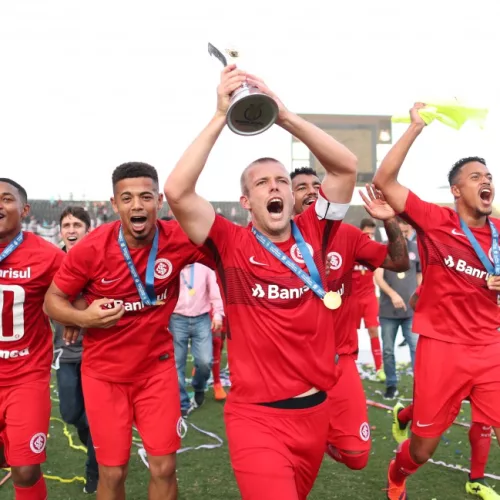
85	86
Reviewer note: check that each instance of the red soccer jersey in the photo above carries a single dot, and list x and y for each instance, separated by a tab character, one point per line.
455	305
25	333
351	250
280	335
362	277
140	344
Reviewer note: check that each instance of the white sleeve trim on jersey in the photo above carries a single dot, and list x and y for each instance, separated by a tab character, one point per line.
330	211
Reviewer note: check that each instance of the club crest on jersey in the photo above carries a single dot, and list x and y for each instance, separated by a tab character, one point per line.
38	442
297	256
163	269
364	431
335	260
412	255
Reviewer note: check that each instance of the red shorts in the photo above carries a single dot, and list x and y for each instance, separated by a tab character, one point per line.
153	404
445	375
275	453
349	429
368	311
24	421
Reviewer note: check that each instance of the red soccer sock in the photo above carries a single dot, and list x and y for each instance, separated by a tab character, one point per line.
404	464
480	444
36	492
377	353
217	351
406	414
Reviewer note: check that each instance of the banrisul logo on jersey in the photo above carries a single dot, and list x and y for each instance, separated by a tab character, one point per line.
138	305
273	292
462	266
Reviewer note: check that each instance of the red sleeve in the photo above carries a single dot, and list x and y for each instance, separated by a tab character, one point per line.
221	233
76	270
370	253
422	214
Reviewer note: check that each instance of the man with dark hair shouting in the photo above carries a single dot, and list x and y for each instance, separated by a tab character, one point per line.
458	313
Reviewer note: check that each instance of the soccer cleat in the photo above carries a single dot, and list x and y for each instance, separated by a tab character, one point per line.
199	398
391	392
380	375
399	430
481	489
394	491
90	484
219	392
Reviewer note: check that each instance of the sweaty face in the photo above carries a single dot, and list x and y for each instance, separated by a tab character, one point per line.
137	201
305	190
12	212
72	231
474	188
270	198
370	231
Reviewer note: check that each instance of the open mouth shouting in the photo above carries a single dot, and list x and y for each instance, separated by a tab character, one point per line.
486	195
138	222
309	199
275	207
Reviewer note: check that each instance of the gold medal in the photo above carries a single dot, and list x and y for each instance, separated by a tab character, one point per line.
490	280
332	300
192	291
159	302
401	275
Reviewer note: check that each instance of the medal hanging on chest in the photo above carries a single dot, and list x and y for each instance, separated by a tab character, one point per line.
146	293
331	300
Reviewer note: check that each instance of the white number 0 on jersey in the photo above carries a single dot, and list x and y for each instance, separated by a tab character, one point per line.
11	313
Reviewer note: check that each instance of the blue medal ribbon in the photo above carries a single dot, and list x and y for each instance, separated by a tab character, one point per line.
190	285
492	268
147	293
12	246
313	279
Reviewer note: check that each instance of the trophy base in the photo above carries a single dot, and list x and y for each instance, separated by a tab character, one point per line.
251	112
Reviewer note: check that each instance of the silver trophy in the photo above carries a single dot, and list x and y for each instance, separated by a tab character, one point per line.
250	112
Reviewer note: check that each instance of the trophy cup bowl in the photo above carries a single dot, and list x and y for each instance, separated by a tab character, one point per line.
250	111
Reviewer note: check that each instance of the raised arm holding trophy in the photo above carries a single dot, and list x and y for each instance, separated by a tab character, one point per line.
251	111
276	432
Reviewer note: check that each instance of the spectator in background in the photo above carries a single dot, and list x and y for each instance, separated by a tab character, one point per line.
396	290
74	224
411	235
198	295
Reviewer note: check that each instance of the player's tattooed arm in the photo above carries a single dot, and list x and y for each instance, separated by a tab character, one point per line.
397	258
